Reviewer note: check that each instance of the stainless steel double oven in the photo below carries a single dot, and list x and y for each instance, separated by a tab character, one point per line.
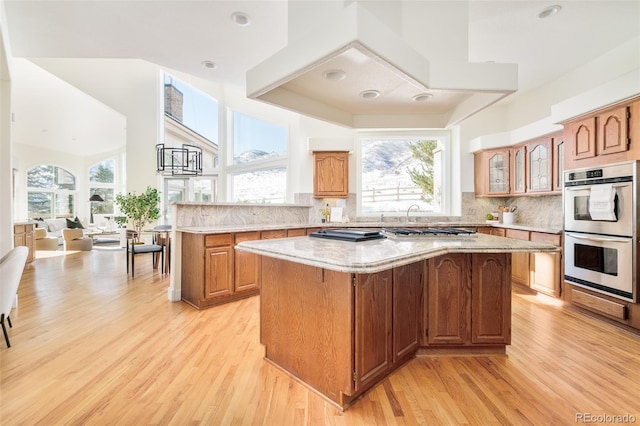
601	237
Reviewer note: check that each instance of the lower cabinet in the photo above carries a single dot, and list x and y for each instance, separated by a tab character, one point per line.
547	268
247	265
24	235
469	300
520	262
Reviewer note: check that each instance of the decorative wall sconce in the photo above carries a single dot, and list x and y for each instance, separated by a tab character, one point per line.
186	160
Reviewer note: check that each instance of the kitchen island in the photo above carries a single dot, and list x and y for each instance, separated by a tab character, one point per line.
341	316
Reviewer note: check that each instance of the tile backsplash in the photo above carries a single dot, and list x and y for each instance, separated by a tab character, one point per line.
540	211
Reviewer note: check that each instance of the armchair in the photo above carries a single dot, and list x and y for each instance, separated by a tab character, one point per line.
74	239
44	241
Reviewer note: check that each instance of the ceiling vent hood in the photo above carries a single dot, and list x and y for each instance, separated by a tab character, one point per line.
356	72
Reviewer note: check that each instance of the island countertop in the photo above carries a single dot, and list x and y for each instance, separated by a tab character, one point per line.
379	255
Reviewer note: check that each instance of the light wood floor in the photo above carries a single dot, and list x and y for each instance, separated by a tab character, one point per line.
91	346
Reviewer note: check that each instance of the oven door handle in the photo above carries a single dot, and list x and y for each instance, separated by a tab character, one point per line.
587	187
599	239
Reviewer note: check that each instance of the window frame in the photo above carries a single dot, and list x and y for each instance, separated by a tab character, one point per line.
418	134
55	193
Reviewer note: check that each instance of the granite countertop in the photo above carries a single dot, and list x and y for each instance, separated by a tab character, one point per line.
221	229
379	255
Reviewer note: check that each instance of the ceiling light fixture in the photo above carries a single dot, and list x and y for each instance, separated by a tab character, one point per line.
422	97
369	94
241	19
547	12
209	64
334	75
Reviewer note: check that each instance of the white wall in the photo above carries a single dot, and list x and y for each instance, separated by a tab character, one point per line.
6	212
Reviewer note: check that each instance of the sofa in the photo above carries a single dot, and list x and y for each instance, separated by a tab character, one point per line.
44	241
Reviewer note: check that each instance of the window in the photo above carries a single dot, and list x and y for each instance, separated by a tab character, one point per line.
257	166
397	172
255	140
50	192
261	186
191	107
102	182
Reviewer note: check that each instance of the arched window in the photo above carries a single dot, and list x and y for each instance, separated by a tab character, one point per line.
102	182
50	192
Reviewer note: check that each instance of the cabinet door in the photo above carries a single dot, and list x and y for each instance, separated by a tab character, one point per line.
546	268
246	264
448	306
491	298
408	282
582	138
373	317
558	163
519	261
331	174
613	131
218	269
497	163
518	170
539	166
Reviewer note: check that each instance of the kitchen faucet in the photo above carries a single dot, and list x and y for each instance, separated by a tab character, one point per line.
409	209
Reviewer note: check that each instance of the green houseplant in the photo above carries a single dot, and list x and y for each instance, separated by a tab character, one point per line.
140	209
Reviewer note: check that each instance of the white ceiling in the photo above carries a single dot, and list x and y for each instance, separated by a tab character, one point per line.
182	34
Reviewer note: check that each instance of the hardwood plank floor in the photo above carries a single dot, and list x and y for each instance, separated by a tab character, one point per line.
93	346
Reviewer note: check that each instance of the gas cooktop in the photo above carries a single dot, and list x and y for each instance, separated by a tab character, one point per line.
422	232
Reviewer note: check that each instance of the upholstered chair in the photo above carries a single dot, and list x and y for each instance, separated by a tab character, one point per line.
44	241
74	239
11	268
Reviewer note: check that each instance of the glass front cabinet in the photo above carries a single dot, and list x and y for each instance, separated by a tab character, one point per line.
518	170
539	161
497	163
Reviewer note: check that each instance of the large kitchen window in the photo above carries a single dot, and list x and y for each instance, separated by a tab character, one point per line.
51	192
257	160
399	171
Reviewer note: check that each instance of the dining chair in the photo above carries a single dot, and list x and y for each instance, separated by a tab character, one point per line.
133	249
162	236
11	267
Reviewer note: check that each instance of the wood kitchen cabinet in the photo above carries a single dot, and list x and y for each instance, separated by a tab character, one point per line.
546	268
492	170
24	235
558	162
539	165
331	174
518	170
408	287
213	272
373	324
520	266
468	309
449	308
247	265
603	137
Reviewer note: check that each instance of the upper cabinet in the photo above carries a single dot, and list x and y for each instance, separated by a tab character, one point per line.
331	174
492	172
539	161
603	137
518	170
532	167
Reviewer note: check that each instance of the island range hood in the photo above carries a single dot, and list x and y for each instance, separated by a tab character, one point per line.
357	72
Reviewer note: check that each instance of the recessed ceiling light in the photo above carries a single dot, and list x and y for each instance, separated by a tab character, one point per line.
209	64
549	11
369	94
334	75
422	97
240	19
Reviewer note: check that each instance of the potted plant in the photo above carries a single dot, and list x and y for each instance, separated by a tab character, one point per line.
140	209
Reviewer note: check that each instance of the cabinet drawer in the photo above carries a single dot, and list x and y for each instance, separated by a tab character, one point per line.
498	232
216	240
517	234
247	236
539	237
278	233
597	304
296	232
